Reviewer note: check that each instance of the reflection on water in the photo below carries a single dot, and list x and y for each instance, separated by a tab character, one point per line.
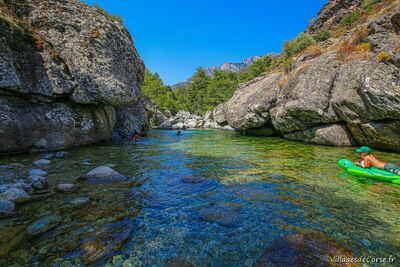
209	198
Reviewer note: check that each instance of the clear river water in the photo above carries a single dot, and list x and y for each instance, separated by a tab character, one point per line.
207	198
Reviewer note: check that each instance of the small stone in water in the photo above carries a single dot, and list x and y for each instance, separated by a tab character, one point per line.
7	209
22	185
16	195
103	175
48	156
42	162
37	172
6	167
80	201
43	224
61	154
66	187
366	242
38	182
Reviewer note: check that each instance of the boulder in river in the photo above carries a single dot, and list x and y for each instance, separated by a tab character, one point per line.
15	195
103	175
80	201
7	209
43	224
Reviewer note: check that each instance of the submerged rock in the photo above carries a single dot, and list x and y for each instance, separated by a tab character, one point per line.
80	201
7	209
42	162
222	213
15	195
103	243
179	262
43	224
303	250
61	154
38	182
66	188
103	175
37	172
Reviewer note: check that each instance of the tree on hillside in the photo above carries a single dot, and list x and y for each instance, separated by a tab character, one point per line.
220	88
198	91
154	88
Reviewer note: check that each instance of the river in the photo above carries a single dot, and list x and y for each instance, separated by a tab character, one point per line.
207	198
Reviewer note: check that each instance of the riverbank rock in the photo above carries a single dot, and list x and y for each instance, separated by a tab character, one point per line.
61	154
304	250
331	135
43	225
15	195
330	98
103	175
63	75
7	209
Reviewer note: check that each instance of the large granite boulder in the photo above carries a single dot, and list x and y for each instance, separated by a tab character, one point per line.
27	126
305	100
63	74
250	105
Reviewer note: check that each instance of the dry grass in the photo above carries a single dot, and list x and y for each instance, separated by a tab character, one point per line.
38	40
355	47
313	51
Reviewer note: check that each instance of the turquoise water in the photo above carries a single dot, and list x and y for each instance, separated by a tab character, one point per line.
208	198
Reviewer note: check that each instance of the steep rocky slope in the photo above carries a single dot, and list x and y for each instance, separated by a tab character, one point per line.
69	74
346	93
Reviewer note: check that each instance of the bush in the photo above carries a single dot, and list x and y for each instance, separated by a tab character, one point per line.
363	48
287	65
351	18
345	50
301	42
108	15
321	35
384	57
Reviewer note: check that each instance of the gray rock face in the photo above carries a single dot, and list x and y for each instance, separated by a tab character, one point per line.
332	135
249	107
104	175
219	115
182	120
327	101
63	75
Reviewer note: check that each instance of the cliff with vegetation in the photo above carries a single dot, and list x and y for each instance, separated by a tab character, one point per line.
338	83
69	75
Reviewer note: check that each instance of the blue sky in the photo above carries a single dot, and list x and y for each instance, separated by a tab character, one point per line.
174	37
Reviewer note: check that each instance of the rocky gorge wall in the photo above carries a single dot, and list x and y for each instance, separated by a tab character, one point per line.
69	75
326	99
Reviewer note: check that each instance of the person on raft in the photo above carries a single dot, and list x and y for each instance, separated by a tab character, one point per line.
135	136
367	160
178	133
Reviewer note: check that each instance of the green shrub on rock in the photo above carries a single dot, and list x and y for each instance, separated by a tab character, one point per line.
301	42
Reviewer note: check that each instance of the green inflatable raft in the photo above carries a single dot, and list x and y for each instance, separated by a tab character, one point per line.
372	172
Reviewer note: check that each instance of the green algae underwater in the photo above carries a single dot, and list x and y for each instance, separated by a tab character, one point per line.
207	198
